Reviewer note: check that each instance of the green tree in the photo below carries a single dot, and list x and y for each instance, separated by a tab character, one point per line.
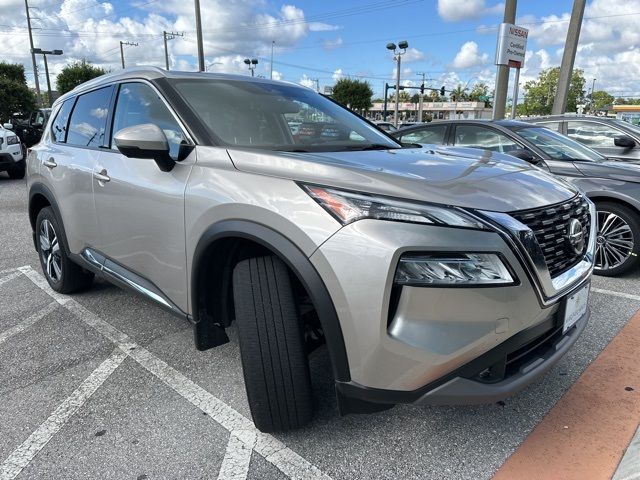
539	94
14	92
355	94
480	93
600	100
73	75
460	93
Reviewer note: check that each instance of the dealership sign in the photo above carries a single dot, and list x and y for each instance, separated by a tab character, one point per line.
512	45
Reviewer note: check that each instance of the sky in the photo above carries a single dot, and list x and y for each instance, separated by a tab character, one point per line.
451	41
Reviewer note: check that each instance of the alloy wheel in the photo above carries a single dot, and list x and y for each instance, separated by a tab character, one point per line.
614	242
50	251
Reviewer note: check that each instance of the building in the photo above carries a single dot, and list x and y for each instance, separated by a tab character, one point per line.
628	113
432	110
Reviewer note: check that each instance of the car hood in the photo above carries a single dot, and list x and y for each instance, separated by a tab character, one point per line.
624	170
452	176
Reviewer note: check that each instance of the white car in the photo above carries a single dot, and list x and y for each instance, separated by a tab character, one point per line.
11	154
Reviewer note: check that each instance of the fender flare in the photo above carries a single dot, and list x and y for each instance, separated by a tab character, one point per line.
41	189
301	267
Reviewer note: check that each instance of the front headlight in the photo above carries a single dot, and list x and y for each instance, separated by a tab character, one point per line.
13	140
347	207
453	269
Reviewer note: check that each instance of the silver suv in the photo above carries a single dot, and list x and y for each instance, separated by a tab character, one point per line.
428	276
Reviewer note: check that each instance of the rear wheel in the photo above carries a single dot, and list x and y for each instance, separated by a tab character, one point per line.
274	361
17	170
63	275
618	240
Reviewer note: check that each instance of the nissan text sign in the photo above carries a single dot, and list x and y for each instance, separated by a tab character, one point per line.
512	45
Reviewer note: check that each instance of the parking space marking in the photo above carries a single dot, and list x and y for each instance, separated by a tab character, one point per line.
630	296
269	447
4	336
235	465
9	277
22	456
8	270
629	467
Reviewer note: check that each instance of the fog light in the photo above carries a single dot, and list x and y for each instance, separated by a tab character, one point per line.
458	269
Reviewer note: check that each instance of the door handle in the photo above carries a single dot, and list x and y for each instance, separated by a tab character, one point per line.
51	163
101	176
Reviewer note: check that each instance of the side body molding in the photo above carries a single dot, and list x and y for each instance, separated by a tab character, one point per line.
206	332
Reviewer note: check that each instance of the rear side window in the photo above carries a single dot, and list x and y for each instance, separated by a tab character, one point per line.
89	119
555	126
433	134
480	137
59	125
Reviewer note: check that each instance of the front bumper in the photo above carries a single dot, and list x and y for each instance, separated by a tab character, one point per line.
10	157
428	345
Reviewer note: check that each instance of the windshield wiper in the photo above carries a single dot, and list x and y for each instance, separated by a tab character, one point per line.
372	146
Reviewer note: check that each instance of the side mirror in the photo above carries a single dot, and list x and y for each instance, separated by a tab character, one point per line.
145	141
624	141
8	126
526	155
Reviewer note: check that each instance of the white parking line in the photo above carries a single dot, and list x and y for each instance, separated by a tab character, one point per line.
235	465
4	336
272	449
8	270
616	294
9	277
629	467
22	455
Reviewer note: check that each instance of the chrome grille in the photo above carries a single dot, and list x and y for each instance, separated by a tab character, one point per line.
550	226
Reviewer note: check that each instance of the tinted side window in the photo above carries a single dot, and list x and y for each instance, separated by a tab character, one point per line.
593	134
481	137
89	119
433	134
59	125
139	103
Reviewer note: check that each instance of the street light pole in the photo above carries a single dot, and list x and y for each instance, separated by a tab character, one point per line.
201	67
273	42
398	52
44	53
421	97
502	75
251	63
33	55
169	36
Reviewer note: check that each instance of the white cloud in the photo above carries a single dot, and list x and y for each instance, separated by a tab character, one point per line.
469	56
412	55
332	44
277	75
307	82
457	10
322	27
337	75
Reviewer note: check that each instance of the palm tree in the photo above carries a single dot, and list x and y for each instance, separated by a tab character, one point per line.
460	93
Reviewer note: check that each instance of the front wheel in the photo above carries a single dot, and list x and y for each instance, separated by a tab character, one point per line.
61	273
17	171
274	360
618	240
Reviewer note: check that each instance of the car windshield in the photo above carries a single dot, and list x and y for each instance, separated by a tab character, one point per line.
556	145
274	116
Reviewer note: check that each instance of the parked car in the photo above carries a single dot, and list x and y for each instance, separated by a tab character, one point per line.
611	137
191	190
11	154
386	126
613	186
30	127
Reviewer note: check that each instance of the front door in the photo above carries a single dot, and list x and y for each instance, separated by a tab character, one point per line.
140	209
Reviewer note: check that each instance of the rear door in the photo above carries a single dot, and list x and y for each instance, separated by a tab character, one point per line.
140	209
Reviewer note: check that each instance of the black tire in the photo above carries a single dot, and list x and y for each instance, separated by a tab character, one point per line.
274	361
17	171
65	276
632	219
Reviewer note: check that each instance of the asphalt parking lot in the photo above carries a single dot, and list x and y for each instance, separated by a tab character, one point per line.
106	385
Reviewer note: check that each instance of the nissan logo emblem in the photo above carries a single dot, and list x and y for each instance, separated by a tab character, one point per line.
575	236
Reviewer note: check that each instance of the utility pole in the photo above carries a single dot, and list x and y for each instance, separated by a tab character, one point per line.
122	50
33	55
169	36
273	42
593	89
502	75
201	67
568	57
317	80
398	51
44	53
421	98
